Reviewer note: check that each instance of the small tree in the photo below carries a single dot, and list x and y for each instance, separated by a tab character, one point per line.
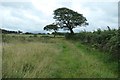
69	19
50	27
19	32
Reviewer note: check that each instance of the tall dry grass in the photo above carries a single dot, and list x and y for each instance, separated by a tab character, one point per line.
45	57
30	59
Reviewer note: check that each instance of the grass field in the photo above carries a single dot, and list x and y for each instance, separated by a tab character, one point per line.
54	58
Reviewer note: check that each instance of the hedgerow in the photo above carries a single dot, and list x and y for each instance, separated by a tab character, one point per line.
106	40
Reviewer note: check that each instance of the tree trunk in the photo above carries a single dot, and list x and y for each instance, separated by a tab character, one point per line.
54	33
70	28
71	31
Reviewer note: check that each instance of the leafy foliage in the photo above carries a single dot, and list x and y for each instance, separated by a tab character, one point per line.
69	19
51	27
106	40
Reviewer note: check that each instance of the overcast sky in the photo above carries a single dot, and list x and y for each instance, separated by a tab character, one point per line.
33	15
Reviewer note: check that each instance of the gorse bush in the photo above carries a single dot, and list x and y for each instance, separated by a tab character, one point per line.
106	40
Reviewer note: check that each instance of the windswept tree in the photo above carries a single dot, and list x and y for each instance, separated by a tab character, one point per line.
51	27
69	19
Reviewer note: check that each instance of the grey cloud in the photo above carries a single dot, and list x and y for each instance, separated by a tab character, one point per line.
16	11
17	5
107	16
109	8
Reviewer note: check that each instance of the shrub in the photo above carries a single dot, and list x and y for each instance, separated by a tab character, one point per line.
106	40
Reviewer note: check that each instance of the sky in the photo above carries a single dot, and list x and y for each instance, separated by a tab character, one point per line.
34	15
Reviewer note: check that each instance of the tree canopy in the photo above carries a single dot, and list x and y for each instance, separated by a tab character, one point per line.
69	19
50	27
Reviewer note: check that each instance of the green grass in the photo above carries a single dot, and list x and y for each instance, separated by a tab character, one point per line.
54	58
76	61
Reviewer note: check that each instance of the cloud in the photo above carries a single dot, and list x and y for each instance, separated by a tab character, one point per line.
45	7
98	14
22	18
35	14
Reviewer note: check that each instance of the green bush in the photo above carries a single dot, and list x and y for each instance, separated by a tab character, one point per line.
106	40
